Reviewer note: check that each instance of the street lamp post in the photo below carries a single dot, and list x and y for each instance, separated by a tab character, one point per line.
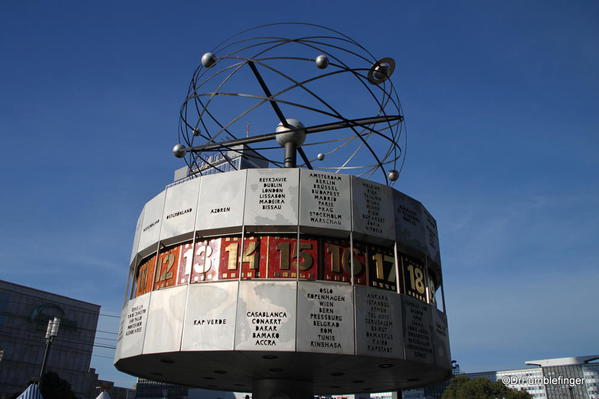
571	388
51	332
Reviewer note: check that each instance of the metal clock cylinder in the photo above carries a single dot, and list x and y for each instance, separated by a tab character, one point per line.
245	277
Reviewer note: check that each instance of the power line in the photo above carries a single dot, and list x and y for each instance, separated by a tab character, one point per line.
17	316
108	339
59	341
104	346
69	349
105	357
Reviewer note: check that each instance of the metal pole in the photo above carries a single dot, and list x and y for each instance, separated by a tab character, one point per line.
46	353
290	155
270	388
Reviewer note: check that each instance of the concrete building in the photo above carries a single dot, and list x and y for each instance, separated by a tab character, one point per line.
561	378
24	315
112	391
566	377
237	158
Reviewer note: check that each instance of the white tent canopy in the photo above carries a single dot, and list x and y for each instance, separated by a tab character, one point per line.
103	395
32	392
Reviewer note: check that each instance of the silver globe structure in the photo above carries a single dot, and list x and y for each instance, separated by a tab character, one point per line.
246	90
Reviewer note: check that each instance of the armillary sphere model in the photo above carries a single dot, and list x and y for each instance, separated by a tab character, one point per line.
325	96
272	264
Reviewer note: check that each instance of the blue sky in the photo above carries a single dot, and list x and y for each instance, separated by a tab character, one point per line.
501	102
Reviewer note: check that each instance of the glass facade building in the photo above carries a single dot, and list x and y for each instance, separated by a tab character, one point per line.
560	378
24	315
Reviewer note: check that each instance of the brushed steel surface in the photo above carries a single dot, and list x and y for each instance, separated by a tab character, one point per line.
136	316
379	323
409	222
152	221
272	197
441	339
135	246
180	208
165	320
325	318
325	200
221	200
431	236
210	317
266	316
418	334
119	339
372	207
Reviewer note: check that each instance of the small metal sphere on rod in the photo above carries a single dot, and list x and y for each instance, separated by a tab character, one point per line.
179	150
322	61
208	60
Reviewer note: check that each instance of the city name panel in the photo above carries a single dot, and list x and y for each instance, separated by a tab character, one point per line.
288	274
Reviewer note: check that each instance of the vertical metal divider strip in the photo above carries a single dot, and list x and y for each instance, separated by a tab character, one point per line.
133	260
397	268
351	262
130	274
267	253
443	294
297	252
297	260
240	253
156	266
433	316
193	247
432	312
427	288
130	290
404	283
403	313
241	243
351	233
355	318
238	291
398	280
131	265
